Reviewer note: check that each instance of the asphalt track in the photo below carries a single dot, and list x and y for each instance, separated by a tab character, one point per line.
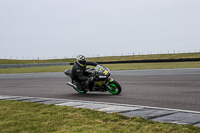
166	88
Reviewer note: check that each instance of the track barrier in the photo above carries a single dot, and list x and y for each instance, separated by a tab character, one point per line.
150	61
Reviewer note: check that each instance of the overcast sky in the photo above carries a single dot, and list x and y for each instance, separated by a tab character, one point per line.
47	28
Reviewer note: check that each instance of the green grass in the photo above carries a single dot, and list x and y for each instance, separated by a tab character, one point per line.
29	117
109	58
8	61
35	69
166	65
145	57
128	66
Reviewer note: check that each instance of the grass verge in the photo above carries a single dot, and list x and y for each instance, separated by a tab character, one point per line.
128	66
35	69
107	59
24	117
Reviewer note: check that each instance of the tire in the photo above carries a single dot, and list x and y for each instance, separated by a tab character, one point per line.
76	88
82	92
115	86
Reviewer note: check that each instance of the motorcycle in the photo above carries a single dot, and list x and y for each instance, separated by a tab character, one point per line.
101	81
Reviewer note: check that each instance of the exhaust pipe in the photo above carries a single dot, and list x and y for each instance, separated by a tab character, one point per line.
72	85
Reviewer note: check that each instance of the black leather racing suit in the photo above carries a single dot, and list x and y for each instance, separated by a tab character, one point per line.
78	73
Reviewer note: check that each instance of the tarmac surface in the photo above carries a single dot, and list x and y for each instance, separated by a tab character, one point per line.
163	95
165	88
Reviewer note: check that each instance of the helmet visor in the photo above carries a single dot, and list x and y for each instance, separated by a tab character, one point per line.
82	62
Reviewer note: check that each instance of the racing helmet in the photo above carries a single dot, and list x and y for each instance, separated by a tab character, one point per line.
80	59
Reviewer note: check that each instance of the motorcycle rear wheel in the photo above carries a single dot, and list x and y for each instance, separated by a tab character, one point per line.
82	92
115	87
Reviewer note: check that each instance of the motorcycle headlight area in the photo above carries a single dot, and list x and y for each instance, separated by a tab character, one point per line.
102	77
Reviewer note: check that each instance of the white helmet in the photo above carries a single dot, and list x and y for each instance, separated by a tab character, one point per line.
80	59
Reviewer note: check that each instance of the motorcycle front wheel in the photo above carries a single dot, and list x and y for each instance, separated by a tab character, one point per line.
113	87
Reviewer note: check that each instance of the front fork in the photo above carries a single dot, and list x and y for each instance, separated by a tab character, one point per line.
109	81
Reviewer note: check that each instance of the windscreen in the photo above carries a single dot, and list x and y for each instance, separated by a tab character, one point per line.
105	71
100	68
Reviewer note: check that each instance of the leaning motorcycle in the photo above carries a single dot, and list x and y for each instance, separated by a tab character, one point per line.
102	81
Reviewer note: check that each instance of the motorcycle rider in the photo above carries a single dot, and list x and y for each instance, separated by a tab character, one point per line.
78	71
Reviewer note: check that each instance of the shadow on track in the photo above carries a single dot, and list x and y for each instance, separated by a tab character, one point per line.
89	96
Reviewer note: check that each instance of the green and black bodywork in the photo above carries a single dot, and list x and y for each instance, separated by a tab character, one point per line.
102	81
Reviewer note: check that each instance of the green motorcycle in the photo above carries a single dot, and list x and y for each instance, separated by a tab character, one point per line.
102	81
